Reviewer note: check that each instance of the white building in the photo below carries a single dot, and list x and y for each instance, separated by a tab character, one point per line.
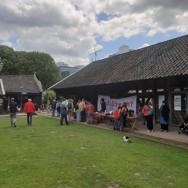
66	70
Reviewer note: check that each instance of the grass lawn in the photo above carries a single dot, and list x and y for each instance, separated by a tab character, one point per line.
48	155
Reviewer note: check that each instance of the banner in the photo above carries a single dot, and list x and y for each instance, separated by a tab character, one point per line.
106	99
177	102
112	104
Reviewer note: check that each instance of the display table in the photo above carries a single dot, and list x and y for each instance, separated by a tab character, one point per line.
103	118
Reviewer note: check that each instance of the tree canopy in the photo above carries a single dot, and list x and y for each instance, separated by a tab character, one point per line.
20	62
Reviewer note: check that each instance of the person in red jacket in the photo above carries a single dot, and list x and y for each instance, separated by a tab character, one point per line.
117	114
90	112
29	108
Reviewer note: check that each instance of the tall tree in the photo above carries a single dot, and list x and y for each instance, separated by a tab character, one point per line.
9	59
28	63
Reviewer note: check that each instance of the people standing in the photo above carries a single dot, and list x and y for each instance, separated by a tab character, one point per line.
90	112
53	106
116	115
103	105
13	107
29	108
63	114
164	116
78	112
70	108
58	104
148	113
82	108
123	117
145	110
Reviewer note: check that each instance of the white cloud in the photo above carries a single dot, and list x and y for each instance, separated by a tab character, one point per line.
126	26
144	45
9	44
67	29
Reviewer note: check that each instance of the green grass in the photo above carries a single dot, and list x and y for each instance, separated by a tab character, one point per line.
48	155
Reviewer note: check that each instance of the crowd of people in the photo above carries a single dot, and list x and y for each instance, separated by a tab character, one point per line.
123	117
148	115
84	111
66	109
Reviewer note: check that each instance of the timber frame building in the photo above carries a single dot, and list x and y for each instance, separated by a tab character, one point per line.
21	87
160	69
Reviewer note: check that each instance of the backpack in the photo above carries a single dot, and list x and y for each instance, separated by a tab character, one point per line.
13	107
151	112
69	106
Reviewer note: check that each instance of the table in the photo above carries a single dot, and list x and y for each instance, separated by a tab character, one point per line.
103	118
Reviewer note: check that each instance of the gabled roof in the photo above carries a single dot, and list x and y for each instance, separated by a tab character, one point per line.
21	83
169	58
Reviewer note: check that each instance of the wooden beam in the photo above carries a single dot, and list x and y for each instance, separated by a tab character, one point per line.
170	106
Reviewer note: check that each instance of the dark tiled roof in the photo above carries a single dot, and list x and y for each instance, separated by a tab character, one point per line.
169	58
21	83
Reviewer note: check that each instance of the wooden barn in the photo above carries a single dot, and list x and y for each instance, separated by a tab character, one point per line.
160	70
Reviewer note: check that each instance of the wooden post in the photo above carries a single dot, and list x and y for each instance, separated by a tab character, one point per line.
170	106
155	105
21	102
186	105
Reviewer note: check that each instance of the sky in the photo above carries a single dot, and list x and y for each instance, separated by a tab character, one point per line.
78	32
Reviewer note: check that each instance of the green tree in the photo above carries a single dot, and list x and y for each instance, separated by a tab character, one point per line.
49	96
28	63
9	60
41	63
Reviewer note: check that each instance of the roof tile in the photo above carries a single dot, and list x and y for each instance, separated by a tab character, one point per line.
165	59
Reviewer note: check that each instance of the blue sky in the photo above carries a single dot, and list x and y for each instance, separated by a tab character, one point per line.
135	42
71	30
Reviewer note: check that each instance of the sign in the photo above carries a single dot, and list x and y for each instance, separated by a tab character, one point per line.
177	102
113	104
106	100
160	100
